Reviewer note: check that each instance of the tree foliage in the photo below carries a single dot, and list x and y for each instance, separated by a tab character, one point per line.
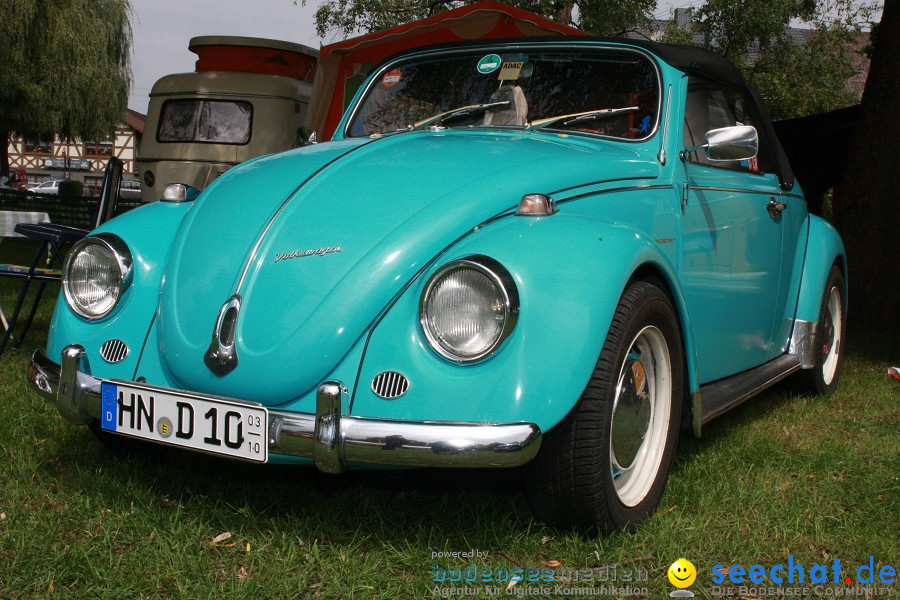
797	77
733	28
804	79
65	67
601	17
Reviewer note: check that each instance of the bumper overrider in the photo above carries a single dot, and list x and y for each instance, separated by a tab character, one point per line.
331	439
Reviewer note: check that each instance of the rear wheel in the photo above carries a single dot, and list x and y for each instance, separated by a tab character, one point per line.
829	349
606	464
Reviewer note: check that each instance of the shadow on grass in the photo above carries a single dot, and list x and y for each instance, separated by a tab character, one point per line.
459	508
864	342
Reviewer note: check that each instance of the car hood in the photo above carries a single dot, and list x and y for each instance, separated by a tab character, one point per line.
317	242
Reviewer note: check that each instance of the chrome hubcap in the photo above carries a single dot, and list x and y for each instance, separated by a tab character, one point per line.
632	414
640	416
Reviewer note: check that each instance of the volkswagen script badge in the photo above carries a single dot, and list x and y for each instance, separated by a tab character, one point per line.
280	256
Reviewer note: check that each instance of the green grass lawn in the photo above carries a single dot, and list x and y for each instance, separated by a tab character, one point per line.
816	478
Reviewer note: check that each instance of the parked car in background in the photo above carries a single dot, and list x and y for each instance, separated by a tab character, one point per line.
130	189
50	187
554	253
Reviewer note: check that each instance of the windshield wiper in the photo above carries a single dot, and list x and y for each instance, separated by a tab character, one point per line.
589	115
462	111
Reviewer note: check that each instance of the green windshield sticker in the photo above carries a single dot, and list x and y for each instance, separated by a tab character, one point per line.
489	64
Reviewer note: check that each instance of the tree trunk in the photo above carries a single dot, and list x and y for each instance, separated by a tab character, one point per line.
871	201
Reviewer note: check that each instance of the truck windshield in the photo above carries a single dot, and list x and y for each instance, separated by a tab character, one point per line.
205	121
609	92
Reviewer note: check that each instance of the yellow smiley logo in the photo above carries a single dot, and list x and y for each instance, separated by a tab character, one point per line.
682	573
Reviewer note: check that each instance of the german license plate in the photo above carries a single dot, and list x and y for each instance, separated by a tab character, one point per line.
180	419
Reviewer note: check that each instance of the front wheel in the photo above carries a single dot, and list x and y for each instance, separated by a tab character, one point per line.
606	464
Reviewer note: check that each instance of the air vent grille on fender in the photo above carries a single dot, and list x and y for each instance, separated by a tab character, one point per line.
114	351
390	385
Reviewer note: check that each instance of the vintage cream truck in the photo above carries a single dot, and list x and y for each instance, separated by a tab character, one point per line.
247	97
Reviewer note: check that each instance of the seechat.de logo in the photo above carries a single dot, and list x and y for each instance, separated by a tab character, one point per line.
817	576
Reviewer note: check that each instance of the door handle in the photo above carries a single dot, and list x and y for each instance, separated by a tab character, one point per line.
775	207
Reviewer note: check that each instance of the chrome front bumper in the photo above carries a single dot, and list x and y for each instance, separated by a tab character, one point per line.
331	439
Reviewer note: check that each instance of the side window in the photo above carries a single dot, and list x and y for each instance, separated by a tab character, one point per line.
710	106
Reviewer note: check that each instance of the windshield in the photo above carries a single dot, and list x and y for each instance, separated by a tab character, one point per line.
605	92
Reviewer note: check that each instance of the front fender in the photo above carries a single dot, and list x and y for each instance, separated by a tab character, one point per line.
824	249
148	231
570	270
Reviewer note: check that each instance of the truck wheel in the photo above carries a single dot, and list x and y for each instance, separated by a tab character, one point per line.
606	464
829	350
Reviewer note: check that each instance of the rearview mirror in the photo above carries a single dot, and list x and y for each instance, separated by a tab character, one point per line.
740	142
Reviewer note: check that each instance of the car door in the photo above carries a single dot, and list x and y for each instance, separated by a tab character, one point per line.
731	248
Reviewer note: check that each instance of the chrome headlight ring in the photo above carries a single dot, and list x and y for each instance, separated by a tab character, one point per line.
503	311
116	274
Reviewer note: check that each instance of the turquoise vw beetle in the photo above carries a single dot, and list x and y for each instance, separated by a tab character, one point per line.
546	253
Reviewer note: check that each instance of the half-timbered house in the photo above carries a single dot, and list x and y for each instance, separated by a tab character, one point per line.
83	160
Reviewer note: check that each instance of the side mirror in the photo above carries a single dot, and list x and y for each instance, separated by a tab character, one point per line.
305	137
740	142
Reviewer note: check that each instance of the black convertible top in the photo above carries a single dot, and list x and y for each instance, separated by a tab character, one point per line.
690	59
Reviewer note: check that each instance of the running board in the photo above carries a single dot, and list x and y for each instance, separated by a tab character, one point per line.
717	398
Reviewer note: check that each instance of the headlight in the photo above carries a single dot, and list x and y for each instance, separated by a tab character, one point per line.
469	307
97	271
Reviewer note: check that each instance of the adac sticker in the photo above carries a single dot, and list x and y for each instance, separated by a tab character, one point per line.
392	78
511	70
489	64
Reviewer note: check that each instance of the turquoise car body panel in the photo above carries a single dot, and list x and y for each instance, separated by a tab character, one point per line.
397	213
824	251
148	231
796	225
383	242
545	366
